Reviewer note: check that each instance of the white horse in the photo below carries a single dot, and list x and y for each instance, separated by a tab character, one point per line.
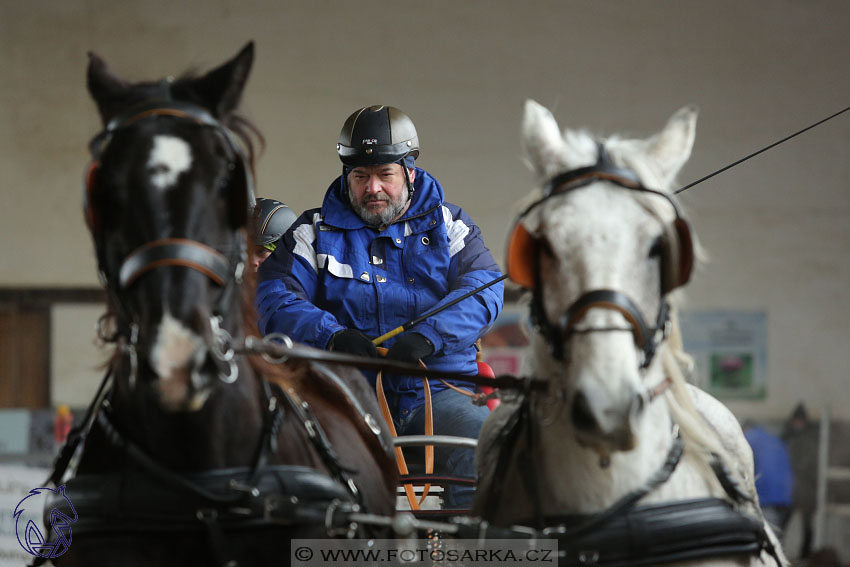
601	249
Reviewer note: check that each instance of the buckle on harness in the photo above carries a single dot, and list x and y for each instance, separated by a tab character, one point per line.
279	508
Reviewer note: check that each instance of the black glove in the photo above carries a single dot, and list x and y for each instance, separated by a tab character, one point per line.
410	348
352	341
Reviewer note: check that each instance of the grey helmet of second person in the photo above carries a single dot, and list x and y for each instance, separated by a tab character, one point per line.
272	218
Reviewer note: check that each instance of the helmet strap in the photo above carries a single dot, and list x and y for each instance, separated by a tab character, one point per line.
407	180
346	194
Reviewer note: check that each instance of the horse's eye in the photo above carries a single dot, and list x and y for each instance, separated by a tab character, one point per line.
223	180
657	248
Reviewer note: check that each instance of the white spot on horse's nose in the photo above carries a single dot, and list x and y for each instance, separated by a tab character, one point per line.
170	156
176	348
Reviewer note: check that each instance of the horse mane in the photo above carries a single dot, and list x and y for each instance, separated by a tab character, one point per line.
701	440
281	374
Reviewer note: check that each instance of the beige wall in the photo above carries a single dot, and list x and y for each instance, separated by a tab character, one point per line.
777	227
78	361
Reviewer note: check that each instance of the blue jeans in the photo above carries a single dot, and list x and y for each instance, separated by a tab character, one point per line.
454	414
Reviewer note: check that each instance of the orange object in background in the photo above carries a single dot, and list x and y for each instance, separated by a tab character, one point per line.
62	423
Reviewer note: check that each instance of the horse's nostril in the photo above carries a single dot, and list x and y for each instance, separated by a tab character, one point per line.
583	417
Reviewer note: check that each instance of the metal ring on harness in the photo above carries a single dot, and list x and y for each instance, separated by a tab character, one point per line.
221	345
349	531
372	424
104	322
128	346
222	349
273	338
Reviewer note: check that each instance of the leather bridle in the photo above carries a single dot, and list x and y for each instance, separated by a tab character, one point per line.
224	269
646	337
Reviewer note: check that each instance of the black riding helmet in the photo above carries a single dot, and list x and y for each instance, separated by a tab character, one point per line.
271	219
377	134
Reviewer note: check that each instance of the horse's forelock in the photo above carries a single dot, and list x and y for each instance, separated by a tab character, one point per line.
581	148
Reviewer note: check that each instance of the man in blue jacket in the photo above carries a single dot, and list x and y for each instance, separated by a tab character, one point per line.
773	473
383	249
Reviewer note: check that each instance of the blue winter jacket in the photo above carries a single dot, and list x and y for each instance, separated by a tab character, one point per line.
773	473
331	272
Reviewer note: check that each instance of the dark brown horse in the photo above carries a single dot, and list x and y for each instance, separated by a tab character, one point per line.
200	455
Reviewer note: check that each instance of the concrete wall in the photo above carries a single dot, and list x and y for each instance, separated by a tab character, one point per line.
776	227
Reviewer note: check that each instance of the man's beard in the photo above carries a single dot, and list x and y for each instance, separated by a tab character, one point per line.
386	215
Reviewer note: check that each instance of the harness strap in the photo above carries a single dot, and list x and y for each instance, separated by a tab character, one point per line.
477	398
79	433
727	481
215	537
508	436
321	442
174	252
367	418
527	468
131	499
141	458
657	534
674	455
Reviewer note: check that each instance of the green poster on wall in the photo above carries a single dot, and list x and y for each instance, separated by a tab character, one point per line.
730	351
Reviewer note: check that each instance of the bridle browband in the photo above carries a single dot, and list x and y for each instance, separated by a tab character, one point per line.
646	337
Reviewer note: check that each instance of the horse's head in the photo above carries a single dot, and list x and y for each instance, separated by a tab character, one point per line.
600	250
167	199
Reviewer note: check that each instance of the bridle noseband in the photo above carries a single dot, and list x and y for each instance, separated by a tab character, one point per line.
174	252
646	337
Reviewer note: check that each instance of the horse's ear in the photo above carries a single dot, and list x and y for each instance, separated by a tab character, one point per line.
671	147
105	87
221	88
542	143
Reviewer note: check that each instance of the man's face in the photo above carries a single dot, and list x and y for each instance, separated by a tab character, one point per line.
379	193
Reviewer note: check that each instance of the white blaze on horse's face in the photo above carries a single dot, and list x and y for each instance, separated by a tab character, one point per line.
602	237
170	156
175	354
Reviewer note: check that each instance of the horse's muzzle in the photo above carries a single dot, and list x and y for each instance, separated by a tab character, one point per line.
605	424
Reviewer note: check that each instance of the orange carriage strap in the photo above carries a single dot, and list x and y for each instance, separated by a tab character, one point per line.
399	454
